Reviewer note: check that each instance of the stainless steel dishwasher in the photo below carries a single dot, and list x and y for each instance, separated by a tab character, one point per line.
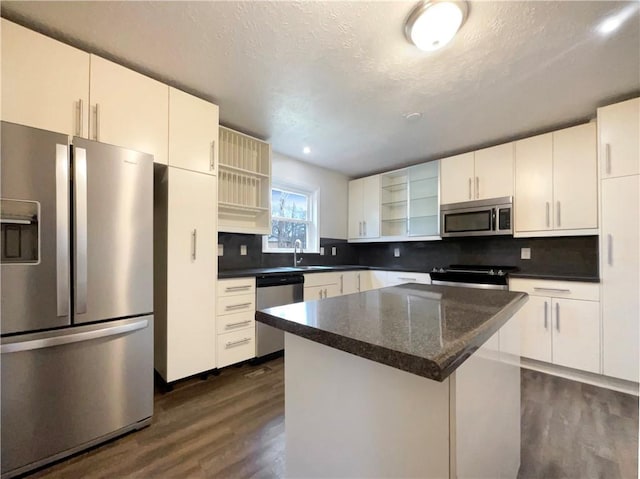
275	290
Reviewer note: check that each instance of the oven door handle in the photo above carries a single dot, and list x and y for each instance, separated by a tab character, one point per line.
494	213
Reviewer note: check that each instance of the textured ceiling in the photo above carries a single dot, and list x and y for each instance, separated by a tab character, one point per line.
339	76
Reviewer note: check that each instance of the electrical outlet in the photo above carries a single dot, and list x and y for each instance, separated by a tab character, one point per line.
243	250
525	253
220	250
334	251
321	250
396	252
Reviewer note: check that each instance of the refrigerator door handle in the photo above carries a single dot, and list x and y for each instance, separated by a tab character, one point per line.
80	177
72	337
62	230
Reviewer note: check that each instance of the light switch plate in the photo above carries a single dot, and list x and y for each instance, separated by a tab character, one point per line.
243	250
321	250
525	253
220	250
396	252
334	251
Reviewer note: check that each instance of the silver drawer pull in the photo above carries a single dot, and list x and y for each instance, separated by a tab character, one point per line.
239	323
408	279
546	314
237	288
236	306
233	344
558	316
553	290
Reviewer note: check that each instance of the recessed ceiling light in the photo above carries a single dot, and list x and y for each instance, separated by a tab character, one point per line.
306	150
411	117
432	24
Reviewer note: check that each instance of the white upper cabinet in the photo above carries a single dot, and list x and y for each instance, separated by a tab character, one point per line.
534	185
364	208
575	178
618	127
456	178
128	109
494	172
45	83
193	133
556	191
620	276
477	175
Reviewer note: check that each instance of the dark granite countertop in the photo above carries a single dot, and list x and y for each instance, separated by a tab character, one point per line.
243	273
556	277
423	329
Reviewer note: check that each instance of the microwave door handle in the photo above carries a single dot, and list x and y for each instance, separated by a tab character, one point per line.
494	226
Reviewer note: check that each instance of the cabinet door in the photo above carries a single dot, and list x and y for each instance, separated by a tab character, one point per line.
332	290
193	133
191	273
355	208
371	206
314	292
456	178
575	178
535	328
576	334
619	139
534	185
45	83
494	172
350	282
129	109
620	276
424	204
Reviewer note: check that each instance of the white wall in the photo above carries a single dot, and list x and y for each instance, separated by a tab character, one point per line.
333	186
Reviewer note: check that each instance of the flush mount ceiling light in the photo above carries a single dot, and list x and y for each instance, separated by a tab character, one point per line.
306	150
432	24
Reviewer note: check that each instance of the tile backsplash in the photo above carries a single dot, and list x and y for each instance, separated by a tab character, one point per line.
576	255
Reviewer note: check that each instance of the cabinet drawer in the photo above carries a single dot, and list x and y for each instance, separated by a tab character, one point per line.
321	279
556	289
401	277
236	347
236	286
236	304
235	322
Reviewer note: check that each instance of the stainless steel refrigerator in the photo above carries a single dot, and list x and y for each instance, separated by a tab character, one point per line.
77	294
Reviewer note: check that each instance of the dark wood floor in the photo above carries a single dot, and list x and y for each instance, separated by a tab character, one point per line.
232	426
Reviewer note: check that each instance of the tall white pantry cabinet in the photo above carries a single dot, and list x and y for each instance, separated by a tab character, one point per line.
618	153
185	231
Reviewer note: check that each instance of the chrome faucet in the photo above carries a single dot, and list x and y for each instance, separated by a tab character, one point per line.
297	244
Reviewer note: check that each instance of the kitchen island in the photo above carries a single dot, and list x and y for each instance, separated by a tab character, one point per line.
406	381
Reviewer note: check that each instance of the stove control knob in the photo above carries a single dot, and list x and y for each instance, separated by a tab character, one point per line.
434	270
442	270
491	272
500	272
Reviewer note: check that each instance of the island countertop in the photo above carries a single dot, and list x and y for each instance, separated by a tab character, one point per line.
426	330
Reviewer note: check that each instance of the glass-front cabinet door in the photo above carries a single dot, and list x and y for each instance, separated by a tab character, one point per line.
424	204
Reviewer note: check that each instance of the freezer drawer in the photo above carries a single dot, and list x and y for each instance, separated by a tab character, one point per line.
65	390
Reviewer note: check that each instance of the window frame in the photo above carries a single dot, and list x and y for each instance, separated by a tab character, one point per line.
313	221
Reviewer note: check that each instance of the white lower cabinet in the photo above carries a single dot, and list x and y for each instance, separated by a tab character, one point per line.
355	282
402	277
185	272
235	321
559	324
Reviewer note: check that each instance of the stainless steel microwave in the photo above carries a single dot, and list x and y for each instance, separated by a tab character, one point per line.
477	218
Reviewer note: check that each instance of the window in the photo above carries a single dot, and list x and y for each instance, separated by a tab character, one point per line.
293	217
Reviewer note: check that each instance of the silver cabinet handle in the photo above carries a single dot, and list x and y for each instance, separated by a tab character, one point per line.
73	337
610	249
407	279
62	229
477	187
342	284
97	122
359	228
558	316
359	282
364	227
233	344
553	290
237	288
320	294
547	213
79	117
238	324
325	293
546	315
607	156
232	307
194	244
469	187
212	160
80	183
558	214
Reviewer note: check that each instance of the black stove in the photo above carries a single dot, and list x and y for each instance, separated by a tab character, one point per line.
473	276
